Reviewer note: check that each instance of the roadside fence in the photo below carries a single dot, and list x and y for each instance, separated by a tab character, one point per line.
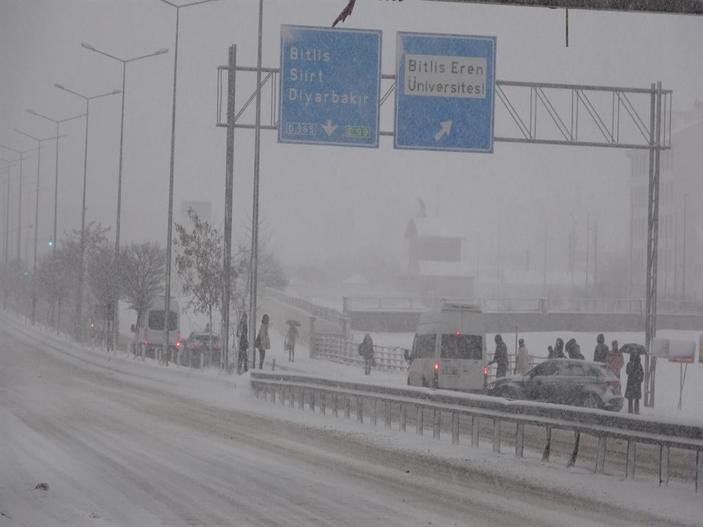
615	438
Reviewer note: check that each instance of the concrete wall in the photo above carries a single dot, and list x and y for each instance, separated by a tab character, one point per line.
405	322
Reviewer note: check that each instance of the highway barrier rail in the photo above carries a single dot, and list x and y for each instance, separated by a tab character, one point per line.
402	405
342	348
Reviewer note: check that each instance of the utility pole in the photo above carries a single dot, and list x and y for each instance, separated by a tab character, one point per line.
588	246
683	258
229	190
254	258
595	254
652	240
544	277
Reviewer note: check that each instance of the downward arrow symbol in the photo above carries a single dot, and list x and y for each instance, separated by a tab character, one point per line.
445	128
328	127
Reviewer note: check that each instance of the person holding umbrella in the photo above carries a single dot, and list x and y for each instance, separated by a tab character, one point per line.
291	336
635	376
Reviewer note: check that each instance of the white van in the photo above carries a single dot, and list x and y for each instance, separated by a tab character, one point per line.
449	349
150	335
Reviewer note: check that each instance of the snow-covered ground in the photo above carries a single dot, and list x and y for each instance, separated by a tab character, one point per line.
128	442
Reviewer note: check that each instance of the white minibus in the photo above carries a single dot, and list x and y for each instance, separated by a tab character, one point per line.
449	349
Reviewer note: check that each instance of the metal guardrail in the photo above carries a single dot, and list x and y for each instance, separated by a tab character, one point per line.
342	349
603	426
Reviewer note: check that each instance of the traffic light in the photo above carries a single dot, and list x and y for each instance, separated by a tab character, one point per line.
51	243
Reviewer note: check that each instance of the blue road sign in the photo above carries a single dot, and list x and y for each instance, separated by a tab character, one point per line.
330	86
445	87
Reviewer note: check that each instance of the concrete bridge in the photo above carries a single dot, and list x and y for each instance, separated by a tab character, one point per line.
401	314
529	314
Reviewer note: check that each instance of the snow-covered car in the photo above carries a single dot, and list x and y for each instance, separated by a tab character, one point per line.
199	342
564	381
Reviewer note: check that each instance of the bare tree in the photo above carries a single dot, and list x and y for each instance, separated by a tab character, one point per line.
198	264
57	276
142	276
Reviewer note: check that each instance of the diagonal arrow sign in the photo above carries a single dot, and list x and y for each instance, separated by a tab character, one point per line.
328	127
445	128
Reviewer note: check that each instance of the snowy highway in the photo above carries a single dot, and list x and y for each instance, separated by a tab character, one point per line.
123	444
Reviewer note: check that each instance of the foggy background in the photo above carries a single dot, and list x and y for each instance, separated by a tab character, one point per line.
323	206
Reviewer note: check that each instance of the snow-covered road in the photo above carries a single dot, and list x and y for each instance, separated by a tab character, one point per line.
121	447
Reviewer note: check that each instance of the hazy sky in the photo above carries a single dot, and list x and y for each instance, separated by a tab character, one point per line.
315	200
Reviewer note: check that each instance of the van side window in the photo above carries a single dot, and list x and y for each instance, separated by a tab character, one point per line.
462	347
423	346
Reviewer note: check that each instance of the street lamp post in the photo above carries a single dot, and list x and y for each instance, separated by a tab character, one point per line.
169	228
36	216
81	270
6	246
21	159
115	314
57	122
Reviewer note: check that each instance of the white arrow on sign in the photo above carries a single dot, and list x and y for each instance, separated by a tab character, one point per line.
445	128
328	127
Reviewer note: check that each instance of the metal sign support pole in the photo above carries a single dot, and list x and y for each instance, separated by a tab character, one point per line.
229	184
652	242
253	261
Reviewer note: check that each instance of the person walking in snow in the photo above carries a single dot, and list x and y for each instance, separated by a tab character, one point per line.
600	354
522	360
263	342
500	357
635	376
366	351
243	344
291	337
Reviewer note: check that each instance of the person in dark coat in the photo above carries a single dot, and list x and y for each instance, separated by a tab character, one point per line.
574	350
558	350
635	376
243	344
600	354
262	342
366	351
500	357
289	341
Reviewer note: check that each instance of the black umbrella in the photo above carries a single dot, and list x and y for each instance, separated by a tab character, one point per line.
637	349
293	323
